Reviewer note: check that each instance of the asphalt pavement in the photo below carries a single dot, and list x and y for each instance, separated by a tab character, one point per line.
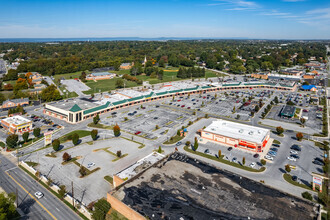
13	179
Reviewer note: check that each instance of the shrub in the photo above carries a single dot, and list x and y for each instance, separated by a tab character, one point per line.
75	139
83	171
56	144
62	191
94	134
188	143
307	195
118	153
96	119
263	162
287	168
160	149
66	157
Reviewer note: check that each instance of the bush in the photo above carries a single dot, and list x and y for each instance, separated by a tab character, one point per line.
94	134
263	162
62	191
307	195
56	144
83	171
188	143
118	153
287	168
66	157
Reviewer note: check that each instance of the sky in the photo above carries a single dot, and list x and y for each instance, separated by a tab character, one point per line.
258	19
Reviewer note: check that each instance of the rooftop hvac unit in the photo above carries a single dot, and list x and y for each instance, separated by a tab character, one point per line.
250	132
240	130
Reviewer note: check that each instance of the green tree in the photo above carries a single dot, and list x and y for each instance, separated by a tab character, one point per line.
83	171
243	161
101	208
94	134
75	139
219	153
195	144
256	109
62	191
12	140
116	130
263	162
178	133
160	149
96	119
50	93
119	83
66	157
279	130
7	206
307	195
56	144
36	132
118	153
161	63
25	136
276	99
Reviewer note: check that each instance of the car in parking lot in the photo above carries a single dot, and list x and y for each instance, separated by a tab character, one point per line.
138	132
272	153
229	148
291	158
274	149
38	194
207	151
294	156
252	165
234	160
293	152
256	155
296	147
276	145
294	178
317	162
269	157
90	165
178	144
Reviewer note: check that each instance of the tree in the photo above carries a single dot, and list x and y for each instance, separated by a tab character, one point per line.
160	149
116	130
75	139
62	191
118	153
195	144
256	109
206	115
287	168
25	136
234	109
243	161
101	208
219	153
50	93
302	121
94	134
119	83
56	144
276	99
66	157
188	143
83	171
307	195
96	119
161	63
279	130
36	132
11	140
290	103
7	206
178	133
263	162
157	127
299	136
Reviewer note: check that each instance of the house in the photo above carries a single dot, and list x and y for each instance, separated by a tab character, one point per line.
13	103
100	76
126	66
36	78
260	75
309	88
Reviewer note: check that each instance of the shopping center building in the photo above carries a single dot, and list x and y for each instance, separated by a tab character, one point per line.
17	124
80	109
238	135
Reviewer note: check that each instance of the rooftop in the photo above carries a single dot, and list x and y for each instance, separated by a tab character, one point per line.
102	74
237	131
16	120
82	103
288	111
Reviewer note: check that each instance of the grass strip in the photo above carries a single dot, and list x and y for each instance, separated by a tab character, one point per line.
287	177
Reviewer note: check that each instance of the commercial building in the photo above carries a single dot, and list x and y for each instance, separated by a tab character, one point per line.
80	109
260	75
292	72
309	88
237	135
13	103
288	111
17	124
100	76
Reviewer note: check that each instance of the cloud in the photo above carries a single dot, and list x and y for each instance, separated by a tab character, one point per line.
238	5
294	0
322	13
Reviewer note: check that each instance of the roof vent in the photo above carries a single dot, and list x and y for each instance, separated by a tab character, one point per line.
240	130
250	132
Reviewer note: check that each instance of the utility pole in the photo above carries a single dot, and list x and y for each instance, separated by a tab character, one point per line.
16	197
72	196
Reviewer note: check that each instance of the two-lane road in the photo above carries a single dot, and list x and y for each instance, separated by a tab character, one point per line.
13	179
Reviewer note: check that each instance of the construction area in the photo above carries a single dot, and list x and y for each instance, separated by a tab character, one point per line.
180	187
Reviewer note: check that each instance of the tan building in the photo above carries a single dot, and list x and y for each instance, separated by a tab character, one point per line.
292	72
100	76
237	135
13	103
260	75
126	66
36	78
17	124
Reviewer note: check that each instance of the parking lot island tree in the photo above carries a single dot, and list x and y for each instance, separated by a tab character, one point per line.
83	171
12	140
263	162
287	168
195	144
75	139
116	130
36	132
25	136
94	134
62	191
299	136
243	161
118	153
96	119
219	153
56	144
66	157
302	121
279	130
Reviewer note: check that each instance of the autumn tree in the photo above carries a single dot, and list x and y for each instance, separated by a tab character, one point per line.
66	157
50	93
116	130
94	134
279	130
299	136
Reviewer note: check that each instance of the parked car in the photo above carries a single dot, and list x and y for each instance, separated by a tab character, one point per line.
272	153
276	145
269	157
229	148
234	160
318	163
294	178
296	147
293	152
256	155
90	165
294	156
39	195
291	158
207	151
138	132
179	143
274	149
252	165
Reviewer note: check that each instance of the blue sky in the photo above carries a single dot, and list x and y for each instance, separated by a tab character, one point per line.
267	19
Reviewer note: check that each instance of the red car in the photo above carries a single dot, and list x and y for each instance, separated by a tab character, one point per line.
138	132
182	106
179	100
305	110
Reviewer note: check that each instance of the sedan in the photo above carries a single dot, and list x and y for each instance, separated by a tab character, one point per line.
269	157
274	149
178	144
39	195
293	152
272	153
90	165
252	165
294	156
276	145
291	158
207	151
256	155
229	148
318	163
234	160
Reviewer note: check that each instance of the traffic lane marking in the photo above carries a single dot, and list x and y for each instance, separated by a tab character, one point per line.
31	196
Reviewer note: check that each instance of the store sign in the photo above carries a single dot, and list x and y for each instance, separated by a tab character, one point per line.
48	137
317	180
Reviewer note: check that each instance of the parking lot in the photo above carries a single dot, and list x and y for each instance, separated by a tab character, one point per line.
73	85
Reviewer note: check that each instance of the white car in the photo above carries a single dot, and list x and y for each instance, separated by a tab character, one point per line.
252	165
293	152
292	158
90	165
269	157
39	195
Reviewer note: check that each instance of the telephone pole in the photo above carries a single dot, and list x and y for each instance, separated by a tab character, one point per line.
16	197
72	195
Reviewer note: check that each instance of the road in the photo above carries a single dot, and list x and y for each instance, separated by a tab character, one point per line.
13	178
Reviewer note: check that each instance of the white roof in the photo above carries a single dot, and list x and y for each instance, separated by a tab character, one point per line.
16	120
237	131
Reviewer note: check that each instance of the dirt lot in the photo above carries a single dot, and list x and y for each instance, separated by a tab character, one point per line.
195	190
